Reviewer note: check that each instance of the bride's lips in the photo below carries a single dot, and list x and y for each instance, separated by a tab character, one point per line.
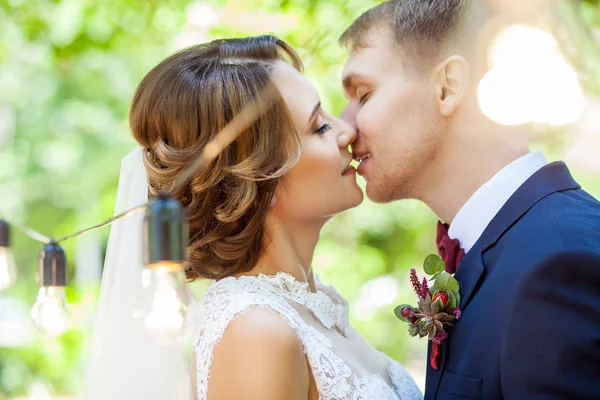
350	170
351	167
363	159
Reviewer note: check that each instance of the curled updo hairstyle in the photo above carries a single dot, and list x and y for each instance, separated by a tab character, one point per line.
180	106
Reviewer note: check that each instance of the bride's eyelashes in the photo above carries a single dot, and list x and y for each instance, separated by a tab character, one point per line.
323	129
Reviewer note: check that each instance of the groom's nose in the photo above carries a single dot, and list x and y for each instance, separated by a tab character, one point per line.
348	114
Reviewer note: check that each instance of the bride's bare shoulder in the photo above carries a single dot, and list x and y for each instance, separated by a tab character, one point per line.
259	356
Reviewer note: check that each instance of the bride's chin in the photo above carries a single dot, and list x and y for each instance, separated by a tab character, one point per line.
344	201
355	199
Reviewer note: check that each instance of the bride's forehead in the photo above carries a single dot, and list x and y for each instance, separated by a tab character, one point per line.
287	78
292	85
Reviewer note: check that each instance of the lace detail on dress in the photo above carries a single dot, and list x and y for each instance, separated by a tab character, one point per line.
403	383
331	310
226	299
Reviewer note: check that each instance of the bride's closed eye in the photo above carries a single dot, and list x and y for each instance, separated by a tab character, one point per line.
323	129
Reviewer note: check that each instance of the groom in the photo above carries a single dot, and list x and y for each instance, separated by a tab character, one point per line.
523	237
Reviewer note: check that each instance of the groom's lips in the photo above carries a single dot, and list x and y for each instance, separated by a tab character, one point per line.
359	152
361	168
362	158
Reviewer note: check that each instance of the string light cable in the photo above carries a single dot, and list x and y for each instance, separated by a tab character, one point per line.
165	240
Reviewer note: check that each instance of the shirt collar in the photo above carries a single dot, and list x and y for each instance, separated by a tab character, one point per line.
475	215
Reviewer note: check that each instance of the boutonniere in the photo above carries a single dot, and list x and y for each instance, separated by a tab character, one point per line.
437	305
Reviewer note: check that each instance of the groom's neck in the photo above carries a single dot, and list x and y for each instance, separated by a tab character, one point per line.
467	163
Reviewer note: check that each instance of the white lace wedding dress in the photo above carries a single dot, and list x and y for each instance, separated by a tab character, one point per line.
343	364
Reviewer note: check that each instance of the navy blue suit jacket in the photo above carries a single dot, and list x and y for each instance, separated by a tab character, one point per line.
530	295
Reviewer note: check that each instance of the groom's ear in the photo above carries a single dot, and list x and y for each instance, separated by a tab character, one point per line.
451	81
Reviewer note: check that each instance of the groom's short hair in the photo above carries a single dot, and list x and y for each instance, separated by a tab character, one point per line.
425	30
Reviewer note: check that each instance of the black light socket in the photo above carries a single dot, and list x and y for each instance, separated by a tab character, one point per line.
165	234
4	234
52	266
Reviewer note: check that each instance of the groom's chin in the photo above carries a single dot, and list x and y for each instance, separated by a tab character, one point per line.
379	194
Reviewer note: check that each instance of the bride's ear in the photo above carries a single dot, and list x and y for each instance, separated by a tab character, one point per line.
451	81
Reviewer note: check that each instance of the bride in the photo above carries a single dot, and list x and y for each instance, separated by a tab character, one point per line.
266	328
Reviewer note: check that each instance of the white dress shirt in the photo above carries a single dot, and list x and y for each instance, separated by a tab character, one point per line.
475	215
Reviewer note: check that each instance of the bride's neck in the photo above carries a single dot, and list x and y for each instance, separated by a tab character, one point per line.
289	247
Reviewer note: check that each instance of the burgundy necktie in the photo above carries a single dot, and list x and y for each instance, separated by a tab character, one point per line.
448	249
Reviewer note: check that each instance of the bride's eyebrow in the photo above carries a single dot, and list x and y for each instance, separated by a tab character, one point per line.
314	112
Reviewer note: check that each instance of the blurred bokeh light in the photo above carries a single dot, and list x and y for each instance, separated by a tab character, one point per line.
529	80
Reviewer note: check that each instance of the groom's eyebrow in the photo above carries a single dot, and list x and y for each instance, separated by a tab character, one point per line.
351	79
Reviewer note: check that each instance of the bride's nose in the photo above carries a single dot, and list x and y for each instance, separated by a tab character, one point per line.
349	114
347	134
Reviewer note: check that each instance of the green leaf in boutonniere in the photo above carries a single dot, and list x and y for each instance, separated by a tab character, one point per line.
433	265
452	303
444	282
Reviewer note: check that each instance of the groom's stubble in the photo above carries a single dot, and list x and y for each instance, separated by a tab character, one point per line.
413	171
413	168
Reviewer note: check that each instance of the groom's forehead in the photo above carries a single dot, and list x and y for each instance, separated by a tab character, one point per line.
370	61
378	44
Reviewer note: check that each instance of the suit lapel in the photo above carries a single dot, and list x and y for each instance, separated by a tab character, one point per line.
550	179
469	273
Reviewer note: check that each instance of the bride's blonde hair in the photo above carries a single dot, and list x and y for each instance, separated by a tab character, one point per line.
181	105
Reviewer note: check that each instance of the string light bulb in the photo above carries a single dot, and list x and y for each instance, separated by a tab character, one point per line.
50	313
161	307
8	269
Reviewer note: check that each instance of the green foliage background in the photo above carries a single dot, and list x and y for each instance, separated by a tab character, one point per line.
68	70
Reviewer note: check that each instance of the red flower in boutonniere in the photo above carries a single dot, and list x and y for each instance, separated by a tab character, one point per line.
437	306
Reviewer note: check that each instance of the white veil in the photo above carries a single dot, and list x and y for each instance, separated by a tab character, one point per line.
124	363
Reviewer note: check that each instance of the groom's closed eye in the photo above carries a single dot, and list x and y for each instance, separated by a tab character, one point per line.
352	81
362	95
